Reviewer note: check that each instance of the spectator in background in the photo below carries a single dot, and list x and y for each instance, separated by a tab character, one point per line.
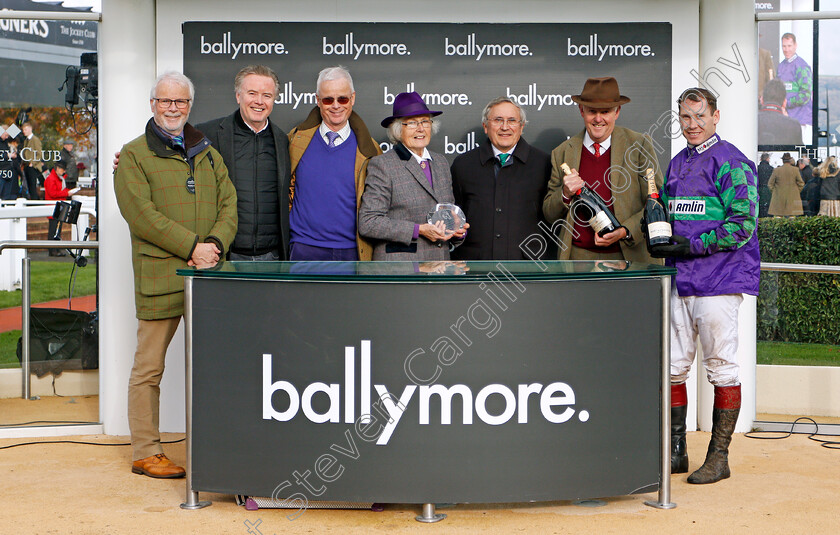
30	153
69	159
766	69
55	189
810	194
764	172
796	75
8	175
830	190
774	126
786	183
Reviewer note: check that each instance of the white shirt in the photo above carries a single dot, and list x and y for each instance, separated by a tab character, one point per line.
590	145
343	134
496	151
426	155
263	128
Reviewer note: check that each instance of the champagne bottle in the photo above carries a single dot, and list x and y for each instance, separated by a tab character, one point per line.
658	227
593	208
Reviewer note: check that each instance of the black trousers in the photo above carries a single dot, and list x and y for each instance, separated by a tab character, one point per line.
32	175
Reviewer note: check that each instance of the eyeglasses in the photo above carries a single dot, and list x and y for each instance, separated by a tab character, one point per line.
411	125
499	121
329	100
180	103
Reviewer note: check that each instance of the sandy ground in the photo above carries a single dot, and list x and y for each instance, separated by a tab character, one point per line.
778	486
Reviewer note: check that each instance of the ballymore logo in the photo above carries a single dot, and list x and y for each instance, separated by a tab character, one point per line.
349	47
288	97
456	147
228	47
594	49
431	99
472	48
556	401
532	97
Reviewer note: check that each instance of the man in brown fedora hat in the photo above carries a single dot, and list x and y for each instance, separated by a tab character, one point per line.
610	160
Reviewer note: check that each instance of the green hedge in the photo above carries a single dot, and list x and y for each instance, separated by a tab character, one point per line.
799	307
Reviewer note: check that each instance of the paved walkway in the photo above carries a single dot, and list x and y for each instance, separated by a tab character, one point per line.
10	317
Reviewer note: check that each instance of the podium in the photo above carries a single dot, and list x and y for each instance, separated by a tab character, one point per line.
403	382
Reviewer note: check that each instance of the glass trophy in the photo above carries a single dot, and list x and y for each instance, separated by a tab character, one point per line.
452	216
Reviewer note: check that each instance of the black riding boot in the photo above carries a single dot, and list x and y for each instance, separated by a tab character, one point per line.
724	417
679	453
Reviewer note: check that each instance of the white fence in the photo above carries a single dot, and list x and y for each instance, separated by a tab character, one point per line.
13	217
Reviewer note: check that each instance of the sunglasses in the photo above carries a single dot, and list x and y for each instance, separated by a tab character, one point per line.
329	100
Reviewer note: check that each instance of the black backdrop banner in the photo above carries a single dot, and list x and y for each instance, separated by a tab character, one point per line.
457	68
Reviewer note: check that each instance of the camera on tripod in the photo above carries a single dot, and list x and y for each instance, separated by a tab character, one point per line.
82	82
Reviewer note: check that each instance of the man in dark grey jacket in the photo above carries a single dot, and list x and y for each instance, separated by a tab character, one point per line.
256	152
502	201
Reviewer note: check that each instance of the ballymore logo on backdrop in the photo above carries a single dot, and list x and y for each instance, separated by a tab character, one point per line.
349	47
592	48
228	47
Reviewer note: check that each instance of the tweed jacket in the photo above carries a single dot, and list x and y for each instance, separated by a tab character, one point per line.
167	221
220	133
785	183
504	209
31	152
631	154
366	148
398	196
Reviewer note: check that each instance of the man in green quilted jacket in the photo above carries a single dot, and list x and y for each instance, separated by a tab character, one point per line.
174	192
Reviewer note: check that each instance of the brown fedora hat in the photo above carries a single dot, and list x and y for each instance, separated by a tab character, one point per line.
601	93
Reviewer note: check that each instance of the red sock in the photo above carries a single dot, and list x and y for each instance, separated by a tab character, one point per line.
679	395
728	397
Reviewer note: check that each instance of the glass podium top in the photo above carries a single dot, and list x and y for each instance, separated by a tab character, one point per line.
430	271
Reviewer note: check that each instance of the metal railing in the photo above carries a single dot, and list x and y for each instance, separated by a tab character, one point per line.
799	268
804	428
26	305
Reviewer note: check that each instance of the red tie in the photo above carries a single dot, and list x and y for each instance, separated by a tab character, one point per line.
597	149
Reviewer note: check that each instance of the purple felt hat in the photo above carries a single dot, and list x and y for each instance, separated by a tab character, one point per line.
408	105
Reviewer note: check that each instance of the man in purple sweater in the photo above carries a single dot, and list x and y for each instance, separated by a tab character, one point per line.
329	152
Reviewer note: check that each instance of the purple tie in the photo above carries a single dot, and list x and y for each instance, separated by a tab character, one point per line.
332	137
427	169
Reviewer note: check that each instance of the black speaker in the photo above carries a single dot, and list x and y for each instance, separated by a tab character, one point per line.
61	340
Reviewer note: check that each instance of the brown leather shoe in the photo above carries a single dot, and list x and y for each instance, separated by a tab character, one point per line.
157	466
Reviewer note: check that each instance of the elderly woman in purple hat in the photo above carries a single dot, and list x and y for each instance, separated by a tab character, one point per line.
404	185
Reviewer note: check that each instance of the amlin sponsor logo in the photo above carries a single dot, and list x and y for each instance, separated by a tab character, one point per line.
593	48
473	48
687	207
351	48
554	402
230	48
